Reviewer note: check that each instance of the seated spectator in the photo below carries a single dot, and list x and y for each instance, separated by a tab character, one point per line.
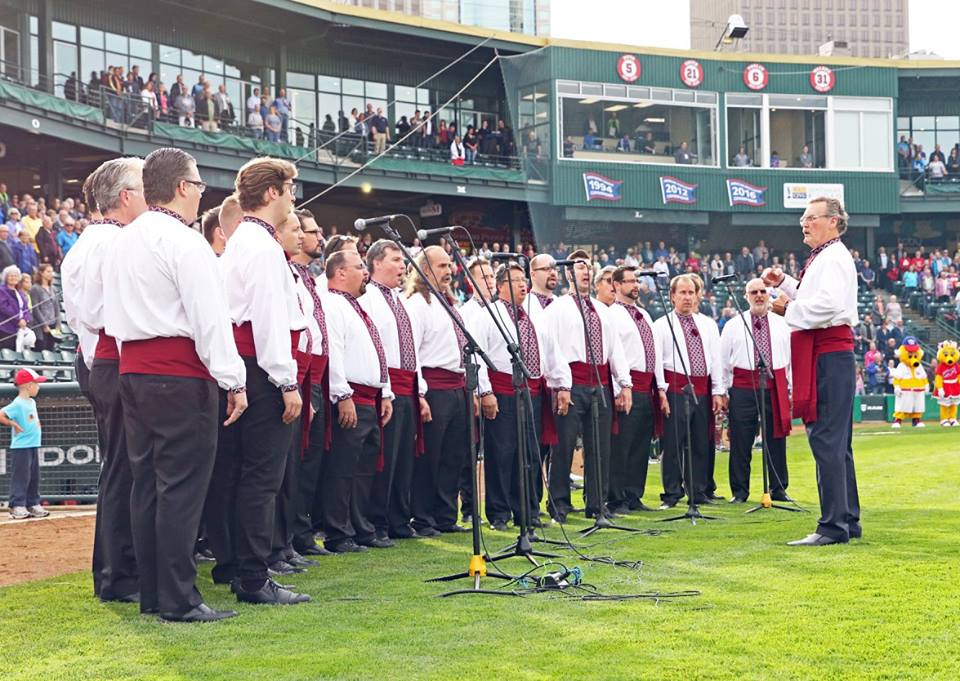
806	158
457	152
648	146
568	147
774	159
742	158
622	145
591	143
683	155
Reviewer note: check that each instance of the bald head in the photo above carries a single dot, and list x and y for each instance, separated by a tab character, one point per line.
543	274
757	297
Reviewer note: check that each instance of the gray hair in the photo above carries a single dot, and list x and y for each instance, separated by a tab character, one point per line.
378	251
609	269
113	177
834	209
11	269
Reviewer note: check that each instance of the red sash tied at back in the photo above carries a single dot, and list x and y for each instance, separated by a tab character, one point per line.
106	347
645	384
175	356
779	395
806	345
405	384
368	396
502	384
243	337
585	374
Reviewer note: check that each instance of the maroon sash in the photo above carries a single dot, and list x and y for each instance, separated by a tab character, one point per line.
405	384
502	384
166	356
368	396
701	388
442	379
644	383
584	374
779	394
106	347
806	345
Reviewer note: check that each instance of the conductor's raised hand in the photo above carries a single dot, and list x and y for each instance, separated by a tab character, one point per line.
772	276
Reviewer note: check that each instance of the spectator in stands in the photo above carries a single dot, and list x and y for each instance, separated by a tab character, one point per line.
806	158
622	145
93	88
867	276
457	152
911	279
253	101
26	253
443	134
32	220
67	237
711	307
775	159
903	152
255	123
859	386
45	308
47	248
285	110
937	169
936	155
683	155
943	288
14	309
429	132
742	158
6	255
761	254
927	283
380	128
149	99
207	111
532	147
471	144
14	225
273	125
745	262
186	107
890	350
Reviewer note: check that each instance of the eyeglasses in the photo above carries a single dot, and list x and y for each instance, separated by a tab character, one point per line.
757	293
311	231
291	187
548	268
201	186
810	218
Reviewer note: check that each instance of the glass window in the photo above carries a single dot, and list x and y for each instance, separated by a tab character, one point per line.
404	94
64	63
328	84
141	48
568	88
170	55
231	71
120	60
947	123
303	81
91	60
64	32
846	139
192	60
91	37
352	87
877	146
329	104
793	129
423	96
376	91
743	130
304	103
116	43
212	65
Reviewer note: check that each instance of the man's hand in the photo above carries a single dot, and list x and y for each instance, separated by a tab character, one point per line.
489	406
624	401
562	405
425	415
719	404
779	306
386	411
347	413
664	403
236	405
772	276
292	404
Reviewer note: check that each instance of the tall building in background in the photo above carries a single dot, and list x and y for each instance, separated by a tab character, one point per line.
518	16
872	28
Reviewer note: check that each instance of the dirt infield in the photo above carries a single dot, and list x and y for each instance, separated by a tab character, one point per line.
47	547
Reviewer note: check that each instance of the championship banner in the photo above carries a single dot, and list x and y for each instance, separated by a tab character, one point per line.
603	188
676	191
742	193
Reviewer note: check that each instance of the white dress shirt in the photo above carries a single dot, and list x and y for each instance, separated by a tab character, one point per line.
353	356
160	281
563	323
736	346
261	290
533	306
471	312
91	300
306	304
72	271
709	336
828	294
632	342
375	304
433	336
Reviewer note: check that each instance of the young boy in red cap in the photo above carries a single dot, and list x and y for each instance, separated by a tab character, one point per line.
21	416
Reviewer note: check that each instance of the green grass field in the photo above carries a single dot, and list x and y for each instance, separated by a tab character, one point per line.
885	607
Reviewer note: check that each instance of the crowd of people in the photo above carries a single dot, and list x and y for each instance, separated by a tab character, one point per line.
914	163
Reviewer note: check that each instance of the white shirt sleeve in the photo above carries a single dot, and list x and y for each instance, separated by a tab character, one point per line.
553	322
271	280
336	343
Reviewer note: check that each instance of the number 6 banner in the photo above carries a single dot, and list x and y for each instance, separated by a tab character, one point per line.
755	76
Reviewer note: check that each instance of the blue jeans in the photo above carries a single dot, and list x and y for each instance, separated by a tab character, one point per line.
471	155
24	476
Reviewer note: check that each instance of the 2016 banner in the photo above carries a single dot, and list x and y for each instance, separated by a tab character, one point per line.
742	193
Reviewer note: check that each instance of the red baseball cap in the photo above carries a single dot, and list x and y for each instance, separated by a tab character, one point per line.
28	376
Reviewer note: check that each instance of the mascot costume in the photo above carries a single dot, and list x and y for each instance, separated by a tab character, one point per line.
909	384
947	382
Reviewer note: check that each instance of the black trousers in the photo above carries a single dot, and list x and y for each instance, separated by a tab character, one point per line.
465	483
114	559
307	478
251	459
831	441
284	515
630	453
389	507
501	451
744	426
673	464
348	478
436	473
578	421
171	428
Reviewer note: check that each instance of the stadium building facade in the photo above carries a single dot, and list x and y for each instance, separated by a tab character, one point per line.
611	144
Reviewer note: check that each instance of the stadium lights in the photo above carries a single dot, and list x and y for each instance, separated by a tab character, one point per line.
736	30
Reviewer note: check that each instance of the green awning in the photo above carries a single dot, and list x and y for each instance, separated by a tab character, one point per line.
46	101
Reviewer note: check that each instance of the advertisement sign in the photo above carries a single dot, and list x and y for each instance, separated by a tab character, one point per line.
603	188
742	193
798	194
676	191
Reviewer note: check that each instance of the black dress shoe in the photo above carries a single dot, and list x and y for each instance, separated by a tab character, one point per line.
619	509
450	529
402	533
560	518
716	497
856	532
738	500
499	526
313	551
427	532
533	522
346	546
201	613
467	519
665	505
204	556
815	540
271	593
299	561
706	500
282	567
235	585
128	598
378	543
642	507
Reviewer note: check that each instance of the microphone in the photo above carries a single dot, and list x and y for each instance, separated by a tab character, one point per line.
570	263
361	224
507	256
424	234
724	278
647	273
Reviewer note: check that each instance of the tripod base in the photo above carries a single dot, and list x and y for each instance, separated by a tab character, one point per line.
603	523
766	503
476	570
521	549
693	514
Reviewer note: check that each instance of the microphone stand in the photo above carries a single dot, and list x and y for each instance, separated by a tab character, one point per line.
689	397
520	373
760	397
477	568
597	396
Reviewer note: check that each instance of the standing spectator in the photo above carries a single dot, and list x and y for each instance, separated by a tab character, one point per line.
207	111
873	355
806	158
381	132
429	138
177	90
683	155
745	263
67	237
285	111
470	145
867	276
32	220
185	107
443	134
253	101
45	308
953	162
6	255
14	309
163	103
93	89
13	222
26	253
761	254
223	106
149	99
273	125
47	247
403	127
742	159
255	123
911	279
937	169
70	87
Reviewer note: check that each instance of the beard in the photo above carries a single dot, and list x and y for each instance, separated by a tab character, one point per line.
634	295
